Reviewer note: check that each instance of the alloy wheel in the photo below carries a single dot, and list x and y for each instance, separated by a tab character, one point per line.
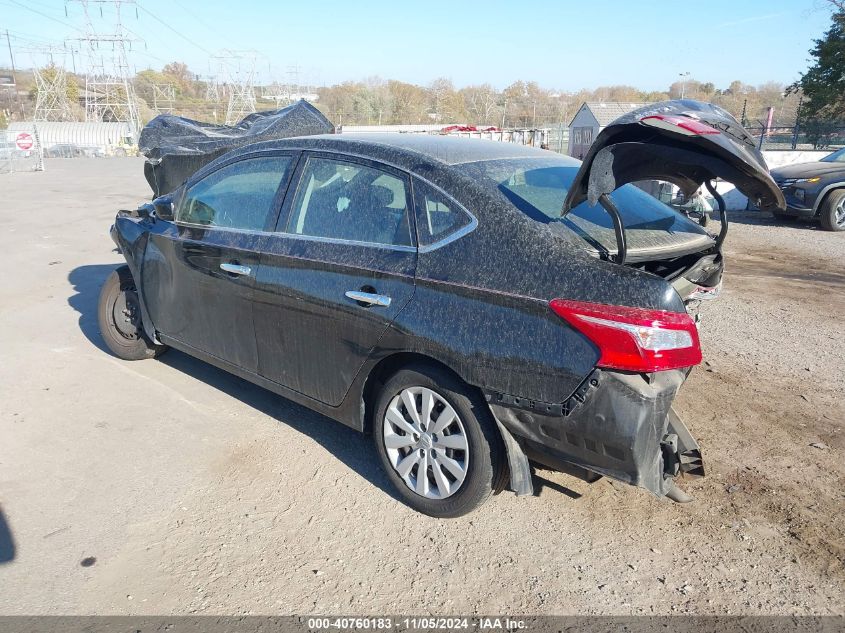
426	442
839	213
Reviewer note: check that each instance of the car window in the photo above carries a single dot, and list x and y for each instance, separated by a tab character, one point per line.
438	216
538	187
237	196
348	201
837	157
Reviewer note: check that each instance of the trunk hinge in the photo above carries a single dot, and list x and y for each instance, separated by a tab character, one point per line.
618	227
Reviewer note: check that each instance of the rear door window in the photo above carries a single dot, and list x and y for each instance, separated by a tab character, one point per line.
340	200
438	216
237	196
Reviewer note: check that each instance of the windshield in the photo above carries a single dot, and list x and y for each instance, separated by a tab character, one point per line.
837	157
538	187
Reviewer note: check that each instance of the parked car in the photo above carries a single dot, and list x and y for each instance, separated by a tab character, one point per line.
74	150
814	190
466	301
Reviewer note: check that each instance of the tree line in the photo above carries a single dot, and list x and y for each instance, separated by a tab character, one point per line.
817	98
377	101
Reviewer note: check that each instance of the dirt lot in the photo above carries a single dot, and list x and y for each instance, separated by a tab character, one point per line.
163	487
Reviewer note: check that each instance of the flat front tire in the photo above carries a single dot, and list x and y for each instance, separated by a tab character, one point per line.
437	441
119	317
832	211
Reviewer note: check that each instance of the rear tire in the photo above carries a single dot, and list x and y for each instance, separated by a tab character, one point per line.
832	213
119	316
464	460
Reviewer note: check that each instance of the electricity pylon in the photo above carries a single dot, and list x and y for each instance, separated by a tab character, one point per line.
164	96
51	86
237	72
51	102
109	94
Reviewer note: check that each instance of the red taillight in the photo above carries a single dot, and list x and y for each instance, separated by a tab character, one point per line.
634	339
681	124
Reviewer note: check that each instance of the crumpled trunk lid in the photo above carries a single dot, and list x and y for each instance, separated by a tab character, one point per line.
683	142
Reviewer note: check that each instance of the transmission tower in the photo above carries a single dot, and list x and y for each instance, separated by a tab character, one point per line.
51	85
109	94
237	70
212	89
51	102
164	96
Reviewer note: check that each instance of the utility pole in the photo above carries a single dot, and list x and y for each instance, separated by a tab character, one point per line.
797	121
14	74
684	77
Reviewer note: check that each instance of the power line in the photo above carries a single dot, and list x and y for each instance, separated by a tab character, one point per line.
23	6
165	24
198	20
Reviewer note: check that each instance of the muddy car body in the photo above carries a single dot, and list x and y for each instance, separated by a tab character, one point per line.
476	312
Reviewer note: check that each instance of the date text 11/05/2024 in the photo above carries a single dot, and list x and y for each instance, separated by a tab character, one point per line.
421	623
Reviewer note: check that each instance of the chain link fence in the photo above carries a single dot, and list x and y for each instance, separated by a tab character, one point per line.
13	160
810	137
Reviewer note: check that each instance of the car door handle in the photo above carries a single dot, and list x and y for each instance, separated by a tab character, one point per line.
369	298
236	269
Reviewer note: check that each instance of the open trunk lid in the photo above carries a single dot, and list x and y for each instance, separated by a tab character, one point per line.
685	142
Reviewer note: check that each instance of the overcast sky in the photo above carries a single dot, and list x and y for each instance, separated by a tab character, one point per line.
565	45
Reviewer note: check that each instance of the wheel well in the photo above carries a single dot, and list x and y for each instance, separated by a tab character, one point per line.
838	187
385	368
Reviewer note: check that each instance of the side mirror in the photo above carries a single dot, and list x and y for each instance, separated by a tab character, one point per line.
163	209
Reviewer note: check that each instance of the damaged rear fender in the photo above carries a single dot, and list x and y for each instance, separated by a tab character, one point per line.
620	425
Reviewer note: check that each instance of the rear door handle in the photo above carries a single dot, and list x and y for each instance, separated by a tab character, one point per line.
236	269
369	298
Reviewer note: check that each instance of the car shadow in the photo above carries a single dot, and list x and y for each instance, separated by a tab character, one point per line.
353	448
763	218
86	282
7	543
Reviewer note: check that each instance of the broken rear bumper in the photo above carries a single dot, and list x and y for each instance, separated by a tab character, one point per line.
616	424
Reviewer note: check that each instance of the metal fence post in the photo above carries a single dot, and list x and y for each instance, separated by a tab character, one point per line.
797	122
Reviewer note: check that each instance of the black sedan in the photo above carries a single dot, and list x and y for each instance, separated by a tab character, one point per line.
474	305
815	190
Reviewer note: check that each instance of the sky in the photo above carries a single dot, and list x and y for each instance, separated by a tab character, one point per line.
562	45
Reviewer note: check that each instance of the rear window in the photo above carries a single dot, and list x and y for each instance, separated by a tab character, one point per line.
538	187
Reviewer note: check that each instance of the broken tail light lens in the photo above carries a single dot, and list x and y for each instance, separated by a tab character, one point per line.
680	124
634	339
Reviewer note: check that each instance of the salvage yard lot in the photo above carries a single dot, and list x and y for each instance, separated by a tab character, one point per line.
197	492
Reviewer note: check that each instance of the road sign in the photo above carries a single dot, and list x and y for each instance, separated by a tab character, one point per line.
24	140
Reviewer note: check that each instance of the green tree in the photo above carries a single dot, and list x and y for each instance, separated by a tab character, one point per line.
823	84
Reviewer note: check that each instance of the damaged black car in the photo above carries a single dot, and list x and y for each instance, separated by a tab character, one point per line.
476	306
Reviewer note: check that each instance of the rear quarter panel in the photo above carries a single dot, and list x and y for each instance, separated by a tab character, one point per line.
481	303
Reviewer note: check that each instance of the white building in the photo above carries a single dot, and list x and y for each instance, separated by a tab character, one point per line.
592	117
104	135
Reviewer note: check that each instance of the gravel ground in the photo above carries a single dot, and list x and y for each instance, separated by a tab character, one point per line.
170	487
